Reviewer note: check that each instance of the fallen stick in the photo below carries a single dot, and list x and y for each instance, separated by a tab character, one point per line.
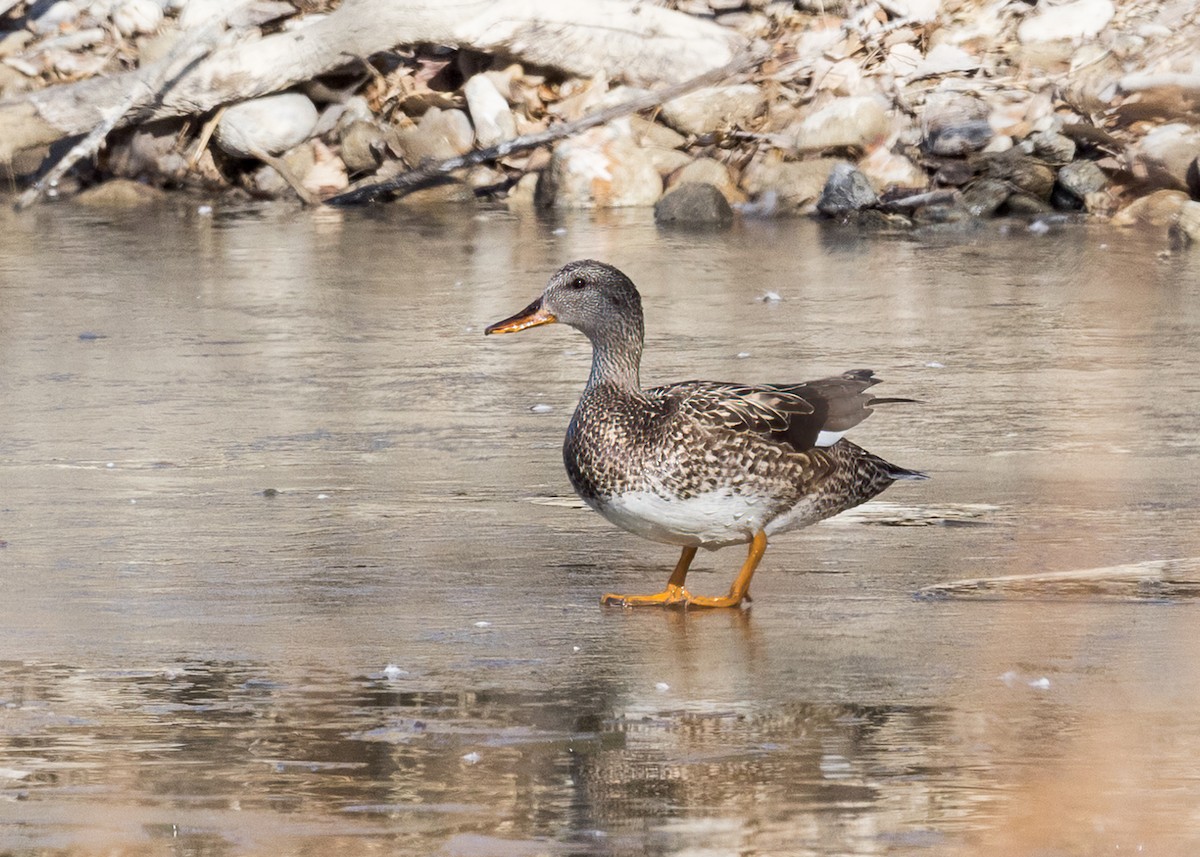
637	42
423	176
142	93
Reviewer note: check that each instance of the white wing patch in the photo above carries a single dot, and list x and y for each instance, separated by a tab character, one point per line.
829	438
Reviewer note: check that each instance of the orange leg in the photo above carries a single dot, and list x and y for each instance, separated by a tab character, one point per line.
675	595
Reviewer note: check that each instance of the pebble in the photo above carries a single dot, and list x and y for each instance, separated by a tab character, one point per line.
795	185
438	135
984	197
120	193
694	204
715	108
1021	171
886	169
489	111
711	172
271	124
362	146
600	168
1167	154
1185	231
1076	180
134	17
846	190
854	122
1053	148
960	138
1161	208
1082	19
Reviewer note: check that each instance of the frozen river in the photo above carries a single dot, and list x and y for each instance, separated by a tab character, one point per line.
289	563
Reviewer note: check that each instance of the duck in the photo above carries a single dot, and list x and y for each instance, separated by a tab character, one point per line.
701	464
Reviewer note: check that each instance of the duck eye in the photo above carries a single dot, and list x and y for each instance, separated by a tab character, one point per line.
578	283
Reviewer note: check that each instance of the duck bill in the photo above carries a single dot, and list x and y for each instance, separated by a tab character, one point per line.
532	316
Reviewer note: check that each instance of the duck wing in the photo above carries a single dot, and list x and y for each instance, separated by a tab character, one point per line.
812	413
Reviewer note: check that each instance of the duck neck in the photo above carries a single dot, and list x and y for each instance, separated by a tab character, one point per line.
615	361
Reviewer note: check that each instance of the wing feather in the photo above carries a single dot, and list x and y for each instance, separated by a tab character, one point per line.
792	414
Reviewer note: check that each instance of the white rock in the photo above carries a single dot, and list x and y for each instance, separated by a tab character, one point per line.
859	121
1167	153
707	110
601	168
1082	19
887	169
272	124
440	134
134	17
489	111
54	17
944	59
1188	224
903	59
201	13
920	11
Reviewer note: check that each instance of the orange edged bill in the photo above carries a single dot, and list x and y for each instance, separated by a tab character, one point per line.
531	316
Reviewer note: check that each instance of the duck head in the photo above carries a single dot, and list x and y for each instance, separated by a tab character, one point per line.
592	297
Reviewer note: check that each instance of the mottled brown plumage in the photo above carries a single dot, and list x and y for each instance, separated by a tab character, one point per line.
700	463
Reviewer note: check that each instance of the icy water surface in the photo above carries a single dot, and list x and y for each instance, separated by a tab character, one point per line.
289	565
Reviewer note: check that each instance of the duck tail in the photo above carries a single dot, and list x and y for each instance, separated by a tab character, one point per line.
899	473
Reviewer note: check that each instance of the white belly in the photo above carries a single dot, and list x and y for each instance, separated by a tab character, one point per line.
710	520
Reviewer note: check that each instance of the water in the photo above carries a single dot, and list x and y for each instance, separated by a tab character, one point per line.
290	565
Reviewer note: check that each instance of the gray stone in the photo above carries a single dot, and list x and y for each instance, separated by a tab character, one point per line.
1053	148
362	146
846	190
1021	171
961	138
150	151
1021	204
984	197
1075	181
694	204
940	214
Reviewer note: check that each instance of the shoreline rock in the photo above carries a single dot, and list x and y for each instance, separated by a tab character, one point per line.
1088	106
